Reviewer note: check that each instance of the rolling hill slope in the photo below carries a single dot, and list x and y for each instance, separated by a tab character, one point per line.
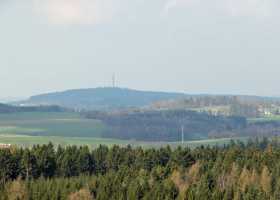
101	98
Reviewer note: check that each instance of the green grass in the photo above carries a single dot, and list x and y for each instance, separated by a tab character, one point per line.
38	115
28	141
264	119
49	124
215	109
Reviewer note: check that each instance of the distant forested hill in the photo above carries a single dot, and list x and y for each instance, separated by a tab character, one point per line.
107	99
101	98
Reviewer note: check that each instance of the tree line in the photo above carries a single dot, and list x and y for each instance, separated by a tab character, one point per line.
247	106
235	171
165	125
4	108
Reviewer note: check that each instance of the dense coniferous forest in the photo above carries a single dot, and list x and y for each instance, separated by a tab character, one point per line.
166	125
236	171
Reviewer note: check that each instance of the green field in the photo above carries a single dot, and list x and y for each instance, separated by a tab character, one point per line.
49	124
225	110
28	141
264	119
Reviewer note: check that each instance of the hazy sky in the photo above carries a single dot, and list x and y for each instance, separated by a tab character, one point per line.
193	46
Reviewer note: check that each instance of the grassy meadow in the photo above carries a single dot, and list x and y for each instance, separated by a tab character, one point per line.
49	124
92	142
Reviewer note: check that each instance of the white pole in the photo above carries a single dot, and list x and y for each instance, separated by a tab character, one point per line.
114	81
182	129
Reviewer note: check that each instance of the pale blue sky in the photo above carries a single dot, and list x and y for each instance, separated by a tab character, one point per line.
192	46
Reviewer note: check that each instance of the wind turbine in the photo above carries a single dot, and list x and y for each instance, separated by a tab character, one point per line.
114	80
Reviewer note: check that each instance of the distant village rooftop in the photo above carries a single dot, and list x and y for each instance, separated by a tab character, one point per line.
5	146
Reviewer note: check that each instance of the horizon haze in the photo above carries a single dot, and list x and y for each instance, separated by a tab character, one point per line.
190	46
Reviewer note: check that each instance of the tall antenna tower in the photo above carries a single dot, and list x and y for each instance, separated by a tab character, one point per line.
183	134
114	80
